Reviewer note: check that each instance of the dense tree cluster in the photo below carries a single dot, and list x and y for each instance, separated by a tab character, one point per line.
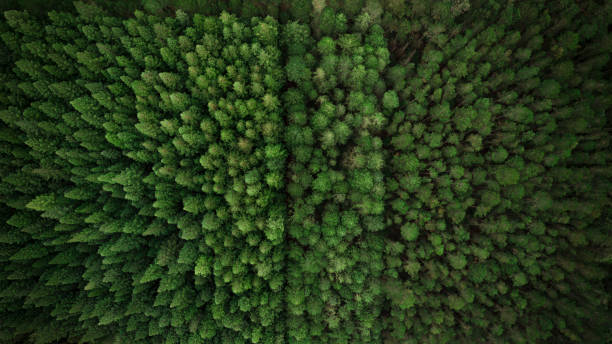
144	188
498	182
354	171
335	181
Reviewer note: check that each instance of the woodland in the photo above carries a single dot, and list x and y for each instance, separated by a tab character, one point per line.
297	171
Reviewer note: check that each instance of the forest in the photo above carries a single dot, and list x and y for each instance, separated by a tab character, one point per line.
305	171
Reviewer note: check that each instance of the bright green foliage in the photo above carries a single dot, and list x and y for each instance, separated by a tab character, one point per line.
356	171
144	192
336	186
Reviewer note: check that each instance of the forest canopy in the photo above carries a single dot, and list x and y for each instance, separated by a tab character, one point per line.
358	171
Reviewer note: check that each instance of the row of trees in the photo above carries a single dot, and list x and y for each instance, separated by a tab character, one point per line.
365	172
335	182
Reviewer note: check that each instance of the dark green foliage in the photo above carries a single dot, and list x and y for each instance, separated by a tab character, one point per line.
328	171
488	226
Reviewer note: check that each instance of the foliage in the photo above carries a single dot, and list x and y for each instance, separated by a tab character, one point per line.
357	171
152	151
335	184
496	192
